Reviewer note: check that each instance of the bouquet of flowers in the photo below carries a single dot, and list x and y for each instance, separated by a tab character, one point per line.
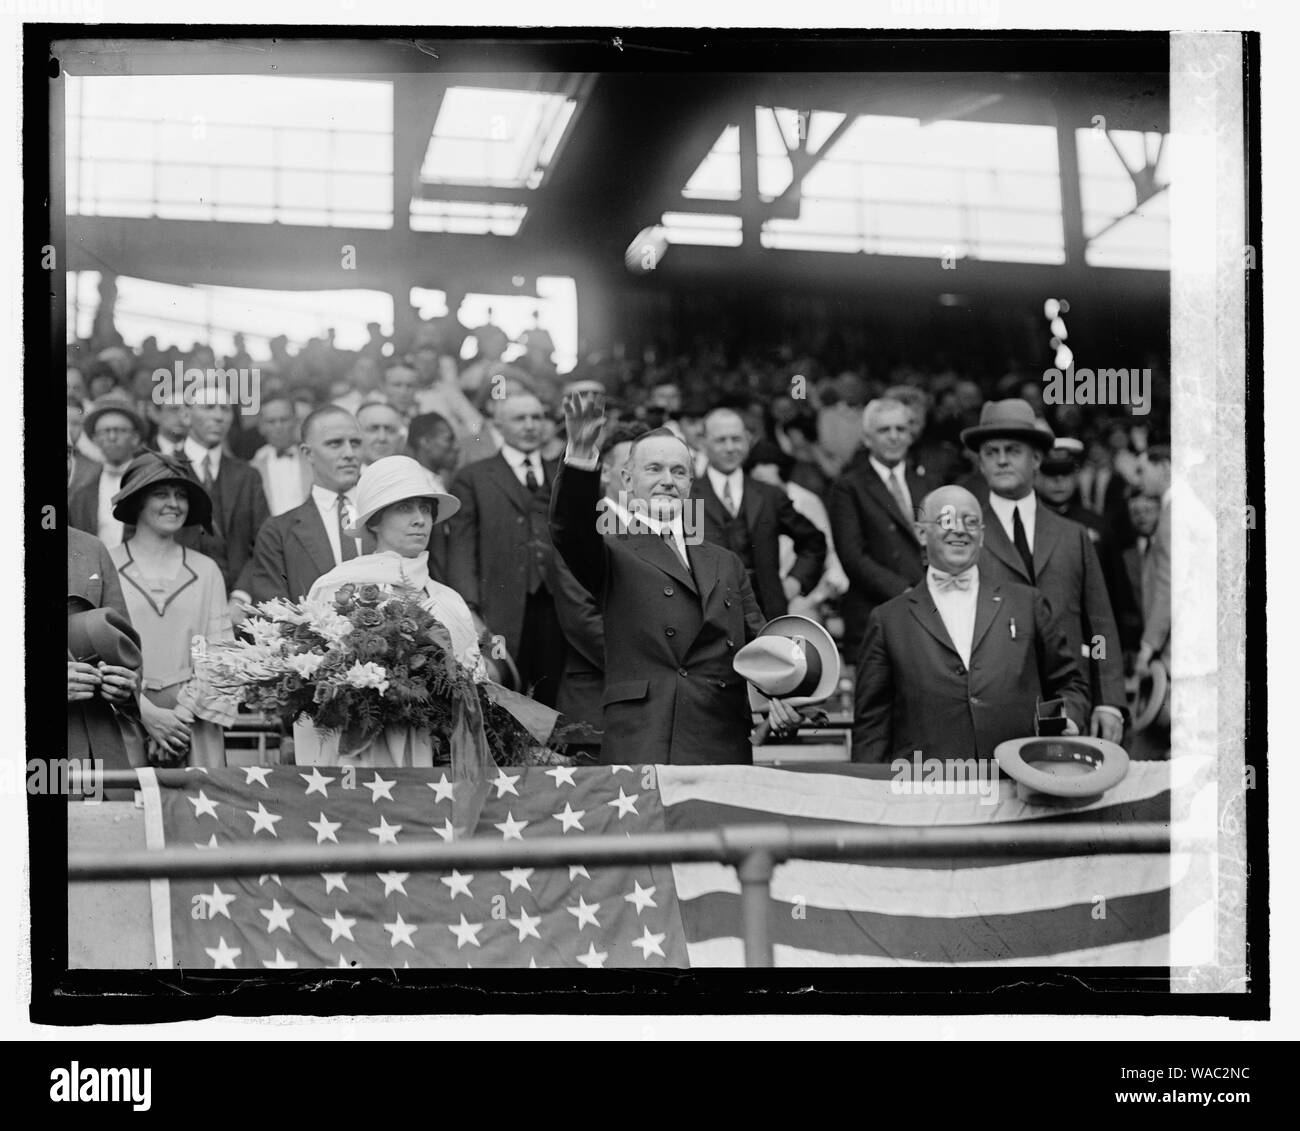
369	659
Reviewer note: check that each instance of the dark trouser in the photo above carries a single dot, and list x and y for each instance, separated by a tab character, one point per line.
542	648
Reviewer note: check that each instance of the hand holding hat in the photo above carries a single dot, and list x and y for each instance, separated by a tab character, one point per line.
794	664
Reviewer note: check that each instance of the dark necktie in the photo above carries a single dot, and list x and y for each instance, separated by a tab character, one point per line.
347	544
530	480
1022	544
207	473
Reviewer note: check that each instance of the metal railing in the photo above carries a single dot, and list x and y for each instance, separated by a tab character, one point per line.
753	850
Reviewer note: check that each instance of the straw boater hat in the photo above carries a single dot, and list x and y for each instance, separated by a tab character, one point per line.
150	469
109	403
1008	420
793	658
392	479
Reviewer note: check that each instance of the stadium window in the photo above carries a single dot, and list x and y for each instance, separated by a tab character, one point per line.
1121	232
236	148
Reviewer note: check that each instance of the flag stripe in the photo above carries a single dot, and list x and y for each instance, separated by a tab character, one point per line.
159	887
1000	890
1152	952
926	939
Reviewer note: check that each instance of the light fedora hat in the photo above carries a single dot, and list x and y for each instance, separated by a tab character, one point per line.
392	479
1149	697
1071	767
1011	419
793	658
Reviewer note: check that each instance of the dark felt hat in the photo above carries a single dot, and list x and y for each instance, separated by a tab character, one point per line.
1011	419
103	634
151	469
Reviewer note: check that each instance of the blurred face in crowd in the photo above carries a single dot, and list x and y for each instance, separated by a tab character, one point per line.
164	510
611	468
951	529
104	381
399	384
115	435
364	375
520	421
1152	476
1144	514
1058	486
887	432
1009	467
76	384
426	364
381	431
658	473
173	420
438	450
76	414
725	440
667	397
210	422
332	448
404	527
278	424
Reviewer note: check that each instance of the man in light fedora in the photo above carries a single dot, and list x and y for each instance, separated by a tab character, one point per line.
958	663
1029	544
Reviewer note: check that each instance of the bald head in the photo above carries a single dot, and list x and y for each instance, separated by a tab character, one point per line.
951	528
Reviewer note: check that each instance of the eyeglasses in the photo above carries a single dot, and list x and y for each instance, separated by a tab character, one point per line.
111	431
970	523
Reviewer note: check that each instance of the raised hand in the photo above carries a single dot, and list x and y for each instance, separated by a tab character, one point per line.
584	417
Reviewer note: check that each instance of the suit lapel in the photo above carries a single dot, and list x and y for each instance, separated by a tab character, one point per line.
999	545
1048	528
658	553
309	529
923	609
714	512
987	606
509	483
751	504
876	488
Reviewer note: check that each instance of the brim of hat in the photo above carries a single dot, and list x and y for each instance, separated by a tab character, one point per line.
200	513
817	636
1155	700
92	418
1110	768
447	506
974	437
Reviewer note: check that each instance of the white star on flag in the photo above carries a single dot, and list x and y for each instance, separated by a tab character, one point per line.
325	829
518	878
401	932
257	774
641	898
334	880
196	769
379	787
624	804
339	926
446	832
594	959
386	833
344	964
268	876
204	806
562	775
570	818
506	784
218	902
212	842
263	820
442	789
649	944
585	913
619	769
511	829
223	956
316	783
279	962
277	919
466	932
393	881
457	883
526	924
576	870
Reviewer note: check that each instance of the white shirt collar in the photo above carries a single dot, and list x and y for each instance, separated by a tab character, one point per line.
720	479
517	459
196	453
328	500
1002	507
886	473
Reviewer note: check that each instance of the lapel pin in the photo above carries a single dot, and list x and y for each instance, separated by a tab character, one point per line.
1013	628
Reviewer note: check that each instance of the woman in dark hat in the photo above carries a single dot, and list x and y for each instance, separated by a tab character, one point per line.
173	594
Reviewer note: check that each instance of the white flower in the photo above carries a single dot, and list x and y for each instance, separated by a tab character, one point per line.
368	675
306	663
264	632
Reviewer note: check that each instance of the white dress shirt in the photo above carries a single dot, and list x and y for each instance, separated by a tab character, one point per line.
1004	510
720	483
327	504
956	608
196	453
520	462
284	478
110	531
897	475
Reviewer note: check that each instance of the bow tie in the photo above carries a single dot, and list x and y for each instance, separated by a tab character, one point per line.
945	581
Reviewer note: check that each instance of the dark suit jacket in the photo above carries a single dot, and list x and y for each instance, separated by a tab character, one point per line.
496	541
876	543
768	513
238	511
582	685
671	693
83	503
1068	573
914	693
291	553
1156	582
83	470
